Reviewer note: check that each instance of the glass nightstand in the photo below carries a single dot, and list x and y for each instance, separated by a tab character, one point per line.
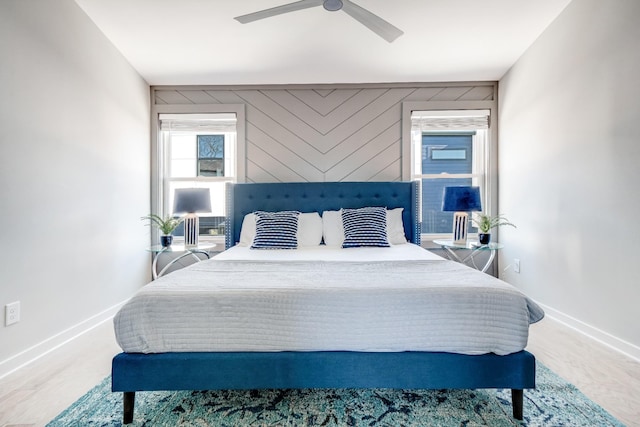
472	246
157	250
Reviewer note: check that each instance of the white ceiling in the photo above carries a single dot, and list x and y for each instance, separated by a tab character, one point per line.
191	42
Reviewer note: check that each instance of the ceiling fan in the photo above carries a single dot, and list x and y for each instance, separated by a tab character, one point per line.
366	18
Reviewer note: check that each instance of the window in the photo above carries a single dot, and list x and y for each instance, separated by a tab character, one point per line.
198	150
450	149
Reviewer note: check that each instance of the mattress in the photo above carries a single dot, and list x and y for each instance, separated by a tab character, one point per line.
401	298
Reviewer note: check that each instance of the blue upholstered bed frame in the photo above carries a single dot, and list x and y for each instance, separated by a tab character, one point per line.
132	372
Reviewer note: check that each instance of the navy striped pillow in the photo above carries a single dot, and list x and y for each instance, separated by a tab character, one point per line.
276	230
365	227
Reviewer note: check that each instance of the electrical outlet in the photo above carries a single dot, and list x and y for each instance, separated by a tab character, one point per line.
12	313
516	265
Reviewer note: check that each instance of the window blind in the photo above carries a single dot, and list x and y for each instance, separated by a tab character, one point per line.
449	120
221	123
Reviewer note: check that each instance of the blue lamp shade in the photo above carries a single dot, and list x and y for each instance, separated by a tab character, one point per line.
191	200
461	199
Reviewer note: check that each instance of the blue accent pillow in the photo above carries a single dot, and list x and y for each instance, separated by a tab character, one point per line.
365	227
276	230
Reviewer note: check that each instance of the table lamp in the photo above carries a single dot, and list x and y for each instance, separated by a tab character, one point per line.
461	200
191	201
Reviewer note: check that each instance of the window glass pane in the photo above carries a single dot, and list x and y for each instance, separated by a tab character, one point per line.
183	155
213	224
447	153
211	167
210	223
210	155
229	154
444	153
210	146
183	146
183	168
434	220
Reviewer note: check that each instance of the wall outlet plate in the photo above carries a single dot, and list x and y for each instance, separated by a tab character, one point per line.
12	313
516	265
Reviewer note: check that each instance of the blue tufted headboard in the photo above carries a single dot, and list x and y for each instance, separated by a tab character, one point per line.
321	196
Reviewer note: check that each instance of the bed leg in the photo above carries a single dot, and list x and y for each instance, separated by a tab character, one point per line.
128	402
517	400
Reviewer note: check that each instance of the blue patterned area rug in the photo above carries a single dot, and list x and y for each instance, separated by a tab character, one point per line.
553	403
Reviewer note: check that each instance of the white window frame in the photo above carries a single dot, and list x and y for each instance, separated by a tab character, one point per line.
160	198
485	160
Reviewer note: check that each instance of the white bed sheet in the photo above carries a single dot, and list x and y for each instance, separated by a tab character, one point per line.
402	298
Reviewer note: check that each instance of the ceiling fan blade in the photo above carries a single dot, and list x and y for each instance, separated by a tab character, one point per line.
278	10
372	21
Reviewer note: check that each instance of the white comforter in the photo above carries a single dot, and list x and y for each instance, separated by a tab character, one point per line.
367	299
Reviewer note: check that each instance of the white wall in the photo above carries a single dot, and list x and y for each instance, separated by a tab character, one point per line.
569	169
74	175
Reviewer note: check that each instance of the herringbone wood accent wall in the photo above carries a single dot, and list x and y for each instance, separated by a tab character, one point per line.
324	134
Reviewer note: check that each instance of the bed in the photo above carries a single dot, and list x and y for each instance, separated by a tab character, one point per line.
349	331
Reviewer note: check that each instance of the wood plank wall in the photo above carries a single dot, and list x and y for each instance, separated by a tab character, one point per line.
325	133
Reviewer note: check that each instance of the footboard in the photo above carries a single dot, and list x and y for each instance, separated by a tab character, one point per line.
133	372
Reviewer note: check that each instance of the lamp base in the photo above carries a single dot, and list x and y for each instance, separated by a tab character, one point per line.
191	231
460	223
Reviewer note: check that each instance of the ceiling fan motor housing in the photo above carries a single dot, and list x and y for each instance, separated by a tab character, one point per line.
332	5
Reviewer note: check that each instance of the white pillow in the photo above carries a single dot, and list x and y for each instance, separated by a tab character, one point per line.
309	229
248	230
395	227
333	231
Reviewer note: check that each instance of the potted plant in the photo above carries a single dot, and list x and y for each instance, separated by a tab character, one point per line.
166	226
486	222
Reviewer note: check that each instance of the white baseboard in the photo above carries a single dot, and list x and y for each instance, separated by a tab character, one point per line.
35	352
615	343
